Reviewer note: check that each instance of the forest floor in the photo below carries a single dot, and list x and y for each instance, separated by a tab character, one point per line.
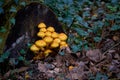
96	64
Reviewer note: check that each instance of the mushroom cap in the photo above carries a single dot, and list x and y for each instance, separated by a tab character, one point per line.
54	35
40	43
47	51
41	25
65	45
51	29
34	48
62	36
57	40
48	33
54	45
43	30
48	39
41	34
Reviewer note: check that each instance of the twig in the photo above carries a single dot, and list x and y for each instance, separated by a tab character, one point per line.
111	48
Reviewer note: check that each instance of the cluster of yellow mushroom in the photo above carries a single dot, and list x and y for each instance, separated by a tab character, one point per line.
49	40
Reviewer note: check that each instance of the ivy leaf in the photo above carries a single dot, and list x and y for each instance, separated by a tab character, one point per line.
23	3
20	58
16	1
13	9
2	29
22	51
12	21
1	10
110	17
62	53
81	32
1	3
5	55
115	27
1	59
100	76
29	45
75	48
97	39
86	47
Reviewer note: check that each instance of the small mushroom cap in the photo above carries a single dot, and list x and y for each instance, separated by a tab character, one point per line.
51	29
34	48
54	35
63	36
43	30
48	33
71	68
57	40
65	45
47	51
41	25
41	34
48	39
54	45
40	43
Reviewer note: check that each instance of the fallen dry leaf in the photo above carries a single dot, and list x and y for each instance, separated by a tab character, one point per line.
94	55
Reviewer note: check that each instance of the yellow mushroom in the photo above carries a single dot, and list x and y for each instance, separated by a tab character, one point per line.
54	35
48	33
47	52
43	30
40	43
51	29
34	48
65	45
71	68
48	39
54	45
41	34
57	40
62	36
41	25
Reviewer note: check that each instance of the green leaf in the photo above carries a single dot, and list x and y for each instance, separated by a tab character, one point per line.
86	47
5	55
115	27
1	3
23	3
75	48
100	76
22	51
2	29
110	17
51	78
13	9
1	59
97	39
62	53
29	45
12	21
20	58
16	1
81	32
1	10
